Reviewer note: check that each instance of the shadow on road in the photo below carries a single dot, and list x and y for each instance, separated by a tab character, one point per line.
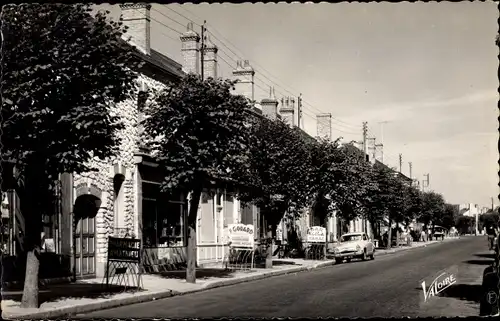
486	255
466	292
479	262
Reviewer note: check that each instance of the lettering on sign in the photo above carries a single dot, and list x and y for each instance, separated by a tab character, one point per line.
241	235
316	234
442	282
123	249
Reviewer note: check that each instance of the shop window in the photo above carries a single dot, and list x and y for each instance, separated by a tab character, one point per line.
171	231
163	219
246	214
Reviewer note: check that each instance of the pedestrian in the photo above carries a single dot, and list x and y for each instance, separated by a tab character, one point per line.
491	232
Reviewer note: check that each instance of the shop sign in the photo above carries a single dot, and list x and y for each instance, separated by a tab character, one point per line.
123	249
241	235
316	234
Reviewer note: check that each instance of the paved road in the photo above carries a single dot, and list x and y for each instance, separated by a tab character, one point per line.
389	286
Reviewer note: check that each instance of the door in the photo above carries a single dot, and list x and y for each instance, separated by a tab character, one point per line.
85	247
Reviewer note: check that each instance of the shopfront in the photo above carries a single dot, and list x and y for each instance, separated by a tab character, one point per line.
163	219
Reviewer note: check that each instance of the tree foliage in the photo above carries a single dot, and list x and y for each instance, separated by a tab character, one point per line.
62	67
200	139
278	174
432	208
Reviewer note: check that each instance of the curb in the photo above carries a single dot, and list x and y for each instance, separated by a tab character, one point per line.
409	248
91	307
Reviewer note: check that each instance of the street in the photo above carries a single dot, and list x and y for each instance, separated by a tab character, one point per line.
389	286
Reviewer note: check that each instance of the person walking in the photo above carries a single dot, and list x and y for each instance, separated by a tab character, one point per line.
491	232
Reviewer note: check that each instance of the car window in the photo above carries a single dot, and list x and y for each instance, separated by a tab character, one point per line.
347	238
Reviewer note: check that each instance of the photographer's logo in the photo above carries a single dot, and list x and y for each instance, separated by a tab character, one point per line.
491	297
442	282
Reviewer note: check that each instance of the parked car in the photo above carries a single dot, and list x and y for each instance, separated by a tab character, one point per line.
439	232
353	245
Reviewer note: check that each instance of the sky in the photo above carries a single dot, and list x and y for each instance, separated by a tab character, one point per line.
423	75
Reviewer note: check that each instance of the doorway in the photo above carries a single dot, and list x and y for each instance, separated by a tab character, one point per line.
85	211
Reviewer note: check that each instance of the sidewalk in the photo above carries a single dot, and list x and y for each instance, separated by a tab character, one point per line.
88	295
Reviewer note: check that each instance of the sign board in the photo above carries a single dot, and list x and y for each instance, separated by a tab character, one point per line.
241	235
49	245
316	234
123	258
123	249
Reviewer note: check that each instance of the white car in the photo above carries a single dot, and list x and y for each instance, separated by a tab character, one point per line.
354	245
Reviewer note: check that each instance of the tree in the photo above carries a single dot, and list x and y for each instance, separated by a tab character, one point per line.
449	216
343	179
388	199
433	207
61	69
465	224
200	138
278	174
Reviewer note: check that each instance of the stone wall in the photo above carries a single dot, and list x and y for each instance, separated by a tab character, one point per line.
130	138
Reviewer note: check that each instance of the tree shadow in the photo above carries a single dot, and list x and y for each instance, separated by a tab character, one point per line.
466	292
55	292
486	255
479	262
200	273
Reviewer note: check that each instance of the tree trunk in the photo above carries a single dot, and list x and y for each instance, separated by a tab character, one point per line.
397	235
191	241
389	235
30	291
32	206
271	234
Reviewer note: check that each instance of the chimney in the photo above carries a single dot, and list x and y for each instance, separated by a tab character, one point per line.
270	105
190	50
287	111
324	125
136	16
244	75
210	59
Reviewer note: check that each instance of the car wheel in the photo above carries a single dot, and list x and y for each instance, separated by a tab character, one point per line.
338	260
348	260
372	256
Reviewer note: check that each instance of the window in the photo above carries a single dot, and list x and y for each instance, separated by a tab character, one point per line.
119	202
163	218
170	216
246	214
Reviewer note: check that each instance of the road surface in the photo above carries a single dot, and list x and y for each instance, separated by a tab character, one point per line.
389	286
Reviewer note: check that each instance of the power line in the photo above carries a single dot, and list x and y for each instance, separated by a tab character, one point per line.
260	67
181	24
180	14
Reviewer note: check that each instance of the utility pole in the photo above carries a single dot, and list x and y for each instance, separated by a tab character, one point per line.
203	29
299	109
400	162
365	132
425	183
409	163
381	152
372	148
492	206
